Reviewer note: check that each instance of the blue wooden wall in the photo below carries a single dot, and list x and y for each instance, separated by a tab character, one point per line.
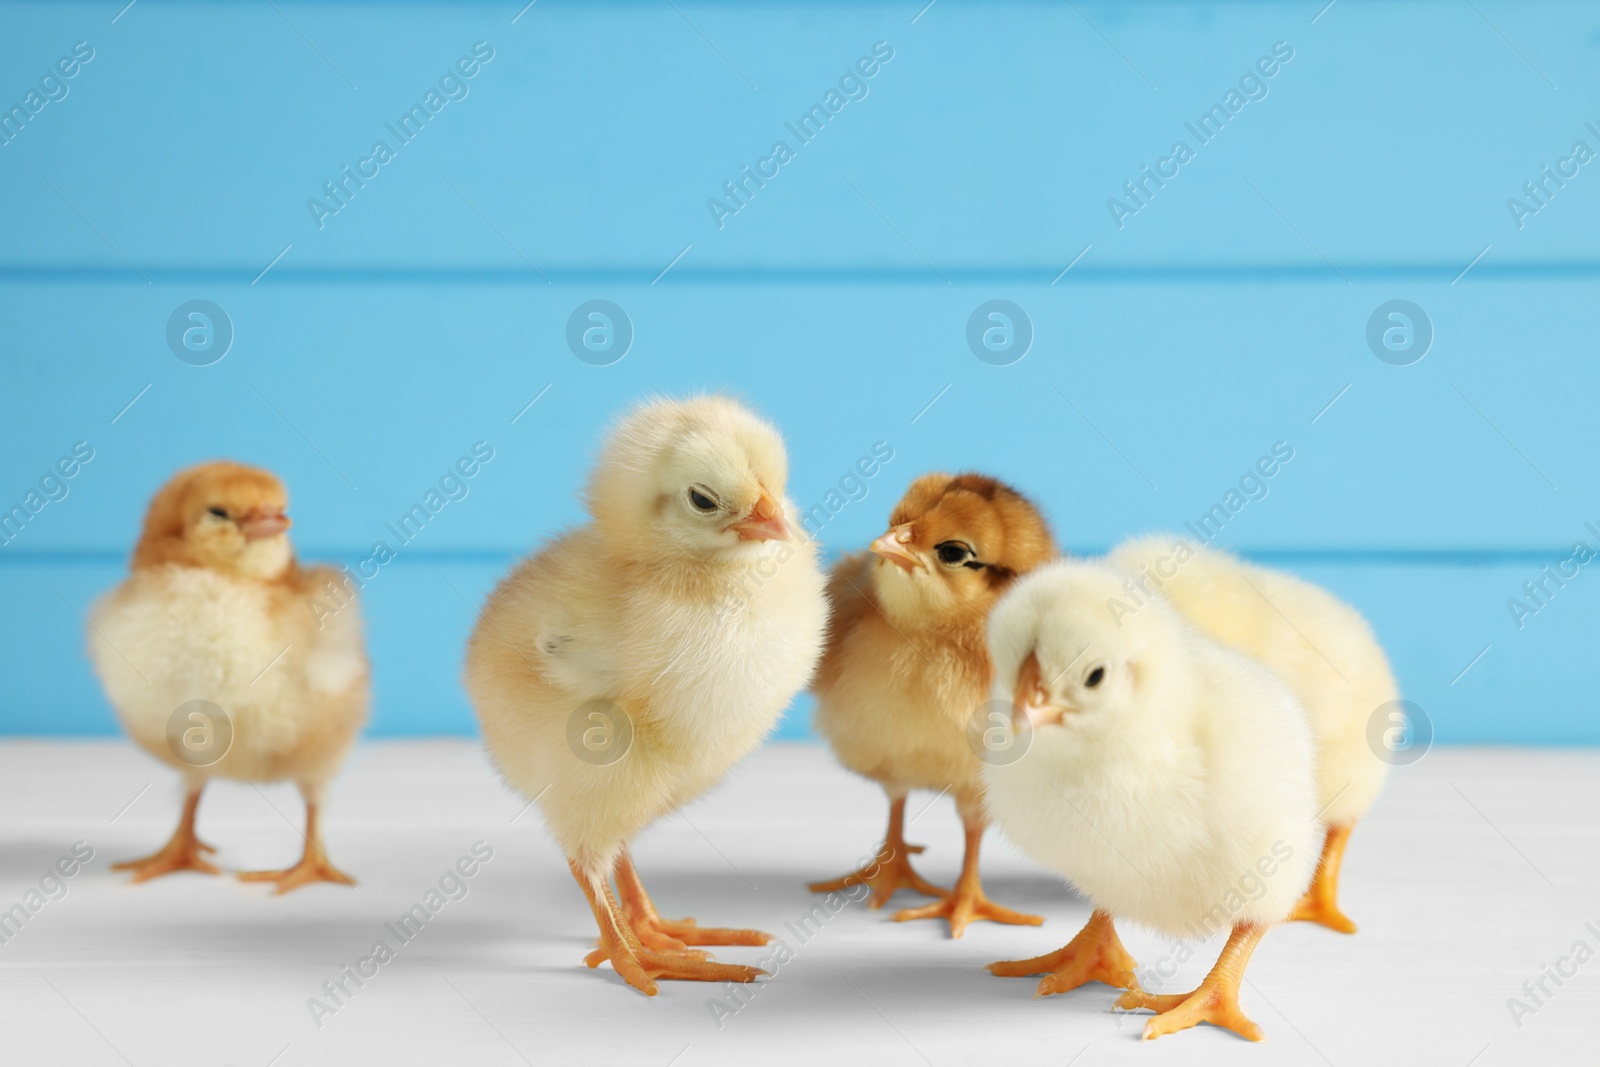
1177	334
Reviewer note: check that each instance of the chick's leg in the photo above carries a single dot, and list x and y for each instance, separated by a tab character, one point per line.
668	935
182	852
1216	1001
966	902
1321	902
890	870
1095	955
640	966
313	865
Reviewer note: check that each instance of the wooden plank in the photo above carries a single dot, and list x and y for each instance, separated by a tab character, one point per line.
994	137
1138	407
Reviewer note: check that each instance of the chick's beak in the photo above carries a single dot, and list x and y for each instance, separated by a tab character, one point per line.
892	547
257	523
764	523
1030	701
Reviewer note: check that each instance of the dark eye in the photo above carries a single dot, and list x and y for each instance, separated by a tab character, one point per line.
218	512
701	501
1095	677
953	553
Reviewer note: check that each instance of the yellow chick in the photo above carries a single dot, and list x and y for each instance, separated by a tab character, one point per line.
1168	777
1321	647
623	669
219	664
903	689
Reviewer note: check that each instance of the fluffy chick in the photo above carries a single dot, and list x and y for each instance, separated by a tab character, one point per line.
1321	647
903	689
1168	777
620	671
224	659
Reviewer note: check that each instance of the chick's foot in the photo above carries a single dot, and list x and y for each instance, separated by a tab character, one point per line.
1215	1001
890	870
1321	902
669	935
640	966
182	852
886	875
966	905
313	865
687	932
311	868
1094	955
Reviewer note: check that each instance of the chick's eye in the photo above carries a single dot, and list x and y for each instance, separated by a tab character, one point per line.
701	501
220	513
953	552
1095	677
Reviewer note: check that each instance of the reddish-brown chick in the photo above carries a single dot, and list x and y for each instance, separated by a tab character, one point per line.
903	688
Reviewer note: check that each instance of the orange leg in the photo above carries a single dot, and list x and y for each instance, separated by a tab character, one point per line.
182	852
640	966
668	935
966	902
1321	902
313	865
891	870
1095	955
1216	1001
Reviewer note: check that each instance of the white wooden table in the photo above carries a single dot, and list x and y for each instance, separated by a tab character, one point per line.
1478	868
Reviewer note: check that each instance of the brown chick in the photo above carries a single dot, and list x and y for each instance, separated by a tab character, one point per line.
223	658
904	684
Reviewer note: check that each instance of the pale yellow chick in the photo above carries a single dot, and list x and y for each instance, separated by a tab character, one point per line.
1169	778
1323	650
623	669
226	659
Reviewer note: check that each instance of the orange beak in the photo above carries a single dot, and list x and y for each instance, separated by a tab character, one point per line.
892	547
256	524
764	523
1029	699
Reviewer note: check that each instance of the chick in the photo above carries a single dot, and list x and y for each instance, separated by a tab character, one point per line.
1321	647
903	689
1168	777
620	671
223	657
